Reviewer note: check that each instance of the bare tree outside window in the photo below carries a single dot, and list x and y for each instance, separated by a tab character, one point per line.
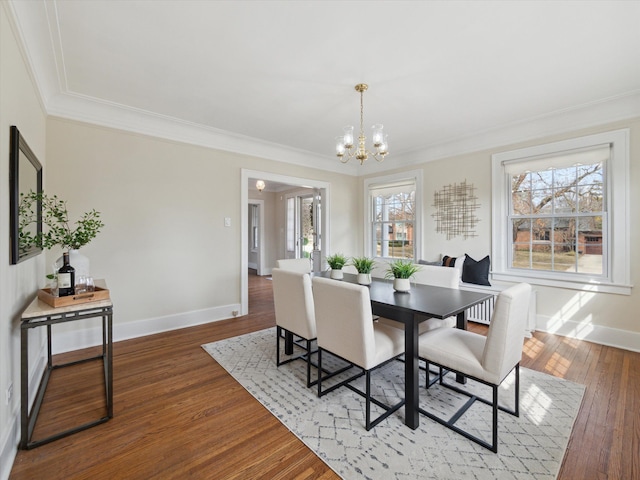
557	219
393	223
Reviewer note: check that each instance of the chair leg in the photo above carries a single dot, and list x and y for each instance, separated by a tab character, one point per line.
278	334
516	410
494	441
309	363
319	383
494	404
368	399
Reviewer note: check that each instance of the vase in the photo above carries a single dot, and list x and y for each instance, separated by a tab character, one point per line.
401	284
77	261
364	278
336	274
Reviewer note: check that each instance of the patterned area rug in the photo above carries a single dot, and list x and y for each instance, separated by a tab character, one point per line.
530	447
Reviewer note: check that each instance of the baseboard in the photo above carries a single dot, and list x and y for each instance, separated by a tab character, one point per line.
612	337
77	339
9	447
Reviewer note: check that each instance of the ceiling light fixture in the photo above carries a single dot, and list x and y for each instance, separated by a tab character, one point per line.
344	143
260	185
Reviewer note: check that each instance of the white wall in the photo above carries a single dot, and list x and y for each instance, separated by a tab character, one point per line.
166	255
20	106
604	318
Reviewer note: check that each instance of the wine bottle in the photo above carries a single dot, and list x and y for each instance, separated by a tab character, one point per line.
66	277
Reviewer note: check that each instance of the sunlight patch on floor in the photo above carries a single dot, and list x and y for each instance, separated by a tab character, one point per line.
536	403
557	365
532	347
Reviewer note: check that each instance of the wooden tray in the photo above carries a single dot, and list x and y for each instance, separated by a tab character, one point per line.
44	294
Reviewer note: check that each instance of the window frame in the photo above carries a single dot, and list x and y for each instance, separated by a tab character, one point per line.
375	182
616	277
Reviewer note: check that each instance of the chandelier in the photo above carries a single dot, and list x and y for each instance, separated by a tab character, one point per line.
344	143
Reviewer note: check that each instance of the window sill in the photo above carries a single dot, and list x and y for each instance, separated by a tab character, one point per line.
592	286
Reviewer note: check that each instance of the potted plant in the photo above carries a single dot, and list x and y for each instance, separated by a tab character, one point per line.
363	265
59	228
336	262
401	271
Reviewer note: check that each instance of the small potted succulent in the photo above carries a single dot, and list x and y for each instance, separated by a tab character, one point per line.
336	262
363	265
401	271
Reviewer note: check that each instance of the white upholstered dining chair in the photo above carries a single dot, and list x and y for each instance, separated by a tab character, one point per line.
346	329
487	360
293	302
302	265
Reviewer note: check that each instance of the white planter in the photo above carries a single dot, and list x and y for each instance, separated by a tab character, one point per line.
337	274
77	261
364	278
401	284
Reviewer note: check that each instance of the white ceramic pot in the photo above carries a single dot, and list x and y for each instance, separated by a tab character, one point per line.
77	261
337	274
364	278
401	284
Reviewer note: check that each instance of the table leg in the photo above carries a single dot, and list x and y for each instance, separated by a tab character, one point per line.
24	387
411	374
288	342
109	361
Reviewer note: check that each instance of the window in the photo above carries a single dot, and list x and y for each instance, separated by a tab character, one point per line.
393	215
560	213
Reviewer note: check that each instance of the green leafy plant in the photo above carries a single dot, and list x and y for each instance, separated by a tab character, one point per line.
401	269
363	264
336	261
56	218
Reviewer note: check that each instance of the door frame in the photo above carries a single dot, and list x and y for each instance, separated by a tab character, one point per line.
245	175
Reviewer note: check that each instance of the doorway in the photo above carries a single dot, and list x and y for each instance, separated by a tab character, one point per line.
255	254
318	237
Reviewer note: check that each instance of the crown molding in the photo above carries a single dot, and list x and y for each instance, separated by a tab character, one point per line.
610	110
90	110
106	114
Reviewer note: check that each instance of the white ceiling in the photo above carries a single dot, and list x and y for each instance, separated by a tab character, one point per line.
276	78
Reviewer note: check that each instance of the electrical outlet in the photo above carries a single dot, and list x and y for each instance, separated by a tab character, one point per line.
234	313
227	221
9	393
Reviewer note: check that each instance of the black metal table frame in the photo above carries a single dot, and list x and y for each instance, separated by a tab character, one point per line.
28	418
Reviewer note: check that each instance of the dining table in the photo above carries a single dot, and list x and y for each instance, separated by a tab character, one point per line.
411	308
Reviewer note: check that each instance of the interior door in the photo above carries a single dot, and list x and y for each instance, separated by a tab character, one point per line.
310	239
304	226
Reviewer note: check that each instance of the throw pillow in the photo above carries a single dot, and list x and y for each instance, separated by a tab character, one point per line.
426	262
454	262
448	261
476	271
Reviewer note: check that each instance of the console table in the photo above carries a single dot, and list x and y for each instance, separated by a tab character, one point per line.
40	314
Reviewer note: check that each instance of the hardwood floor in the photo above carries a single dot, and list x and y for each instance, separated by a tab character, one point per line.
178	414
